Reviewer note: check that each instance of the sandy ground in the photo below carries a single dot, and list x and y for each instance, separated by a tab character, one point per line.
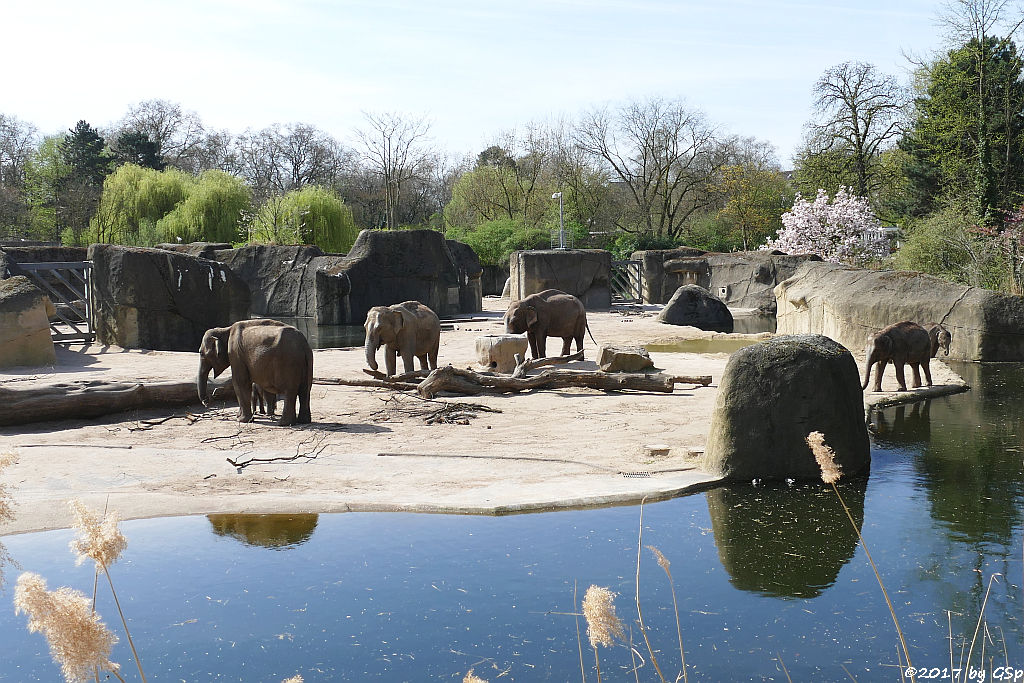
371	449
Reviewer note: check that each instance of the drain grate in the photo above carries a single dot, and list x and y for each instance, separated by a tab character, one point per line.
636	475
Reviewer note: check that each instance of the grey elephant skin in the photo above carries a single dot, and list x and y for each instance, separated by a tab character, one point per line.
903	343
275	356
940	338
409	328
551	313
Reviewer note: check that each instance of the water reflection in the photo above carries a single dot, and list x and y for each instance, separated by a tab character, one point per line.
328	336
908	423
266	531
783	541
753	323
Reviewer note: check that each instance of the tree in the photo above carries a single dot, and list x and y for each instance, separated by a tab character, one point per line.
177	134
310	215
83	152
211	210
45	171
663	155
17	140
279	159
135	147
754	200
859	115
844	230
134	200
395	150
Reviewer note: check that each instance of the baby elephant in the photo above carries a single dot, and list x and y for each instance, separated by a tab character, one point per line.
551	313
902	343
409	328
940	337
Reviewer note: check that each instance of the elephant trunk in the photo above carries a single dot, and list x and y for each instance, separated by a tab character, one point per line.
201	379
867	370
371	351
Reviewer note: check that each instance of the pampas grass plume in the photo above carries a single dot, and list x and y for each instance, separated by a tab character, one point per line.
78	640
99	538
470	677
826	457
602	623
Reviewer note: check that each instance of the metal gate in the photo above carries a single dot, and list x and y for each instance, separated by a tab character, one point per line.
627	282
68	285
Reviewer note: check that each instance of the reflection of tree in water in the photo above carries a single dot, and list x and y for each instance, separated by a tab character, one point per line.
970	468
785	541
267	531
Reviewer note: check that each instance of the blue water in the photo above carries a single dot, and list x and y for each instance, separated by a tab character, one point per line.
762	574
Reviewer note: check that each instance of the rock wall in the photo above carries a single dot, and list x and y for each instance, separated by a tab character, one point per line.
281	278
388	267
24	324
584	273
742	279
493	279
158	299
471	293
847	304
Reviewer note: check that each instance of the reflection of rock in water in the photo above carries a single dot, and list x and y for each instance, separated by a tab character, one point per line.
785	541
268	531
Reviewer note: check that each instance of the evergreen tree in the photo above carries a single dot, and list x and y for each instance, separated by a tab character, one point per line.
135	147
78	192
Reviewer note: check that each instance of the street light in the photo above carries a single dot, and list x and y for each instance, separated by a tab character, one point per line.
561	221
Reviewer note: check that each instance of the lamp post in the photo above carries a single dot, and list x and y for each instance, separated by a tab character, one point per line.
561	221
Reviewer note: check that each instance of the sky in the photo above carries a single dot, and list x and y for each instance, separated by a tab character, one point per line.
473	68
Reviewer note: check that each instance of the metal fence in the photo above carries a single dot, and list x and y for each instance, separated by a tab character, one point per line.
68	284
627	282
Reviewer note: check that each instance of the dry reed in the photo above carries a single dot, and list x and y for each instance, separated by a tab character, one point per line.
294	679
830	474
470	677
665	565
603	625
78	640
6	513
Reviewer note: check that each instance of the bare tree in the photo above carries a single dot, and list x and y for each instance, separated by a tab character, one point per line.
859	115
178	134
663	154
395	149
279	159
18	140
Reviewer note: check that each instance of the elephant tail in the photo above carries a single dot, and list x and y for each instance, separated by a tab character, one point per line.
589	333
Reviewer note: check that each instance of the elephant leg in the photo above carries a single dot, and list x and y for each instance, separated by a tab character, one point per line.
305	417
916	367
407	360
271	402
423	362
880	370
391	361
533	344
243	389
927	372
542	343
288	412
900	379
566	345
432	357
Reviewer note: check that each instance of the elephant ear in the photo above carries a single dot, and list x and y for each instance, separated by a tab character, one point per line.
531	316
398	320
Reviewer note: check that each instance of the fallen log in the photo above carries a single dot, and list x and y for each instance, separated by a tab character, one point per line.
459	381
404	377
77	400
389	383
524	366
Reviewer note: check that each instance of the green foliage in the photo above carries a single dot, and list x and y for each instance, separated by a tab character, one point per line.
711	231
494	241
949	244
624	244
968	131
135	147
753	202
310	215
44	171
211	211
83	150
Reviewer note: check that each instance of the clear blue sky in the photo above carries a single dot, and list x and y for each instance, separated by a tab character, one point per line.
475	68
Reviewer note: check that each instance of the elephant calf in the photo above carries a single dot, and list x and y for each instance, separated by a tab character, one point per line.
940	337
902	343
267	353
409	328
551	313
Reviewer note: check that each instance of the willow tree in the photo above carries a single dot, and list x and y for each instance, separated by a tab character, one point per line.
210	212
310	215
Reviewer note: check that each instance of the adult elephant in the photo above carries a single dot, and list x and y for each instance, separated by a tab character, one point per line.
265	352
551	313
902	343
409	328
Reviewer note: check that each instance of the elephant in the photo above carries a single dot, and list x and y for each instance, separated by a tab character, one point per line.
409	328
902	343
551	313
940	338
263	401
268	353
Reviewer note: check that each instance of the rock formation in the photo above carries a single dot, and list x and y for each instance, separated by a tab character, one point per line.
697	307
24	324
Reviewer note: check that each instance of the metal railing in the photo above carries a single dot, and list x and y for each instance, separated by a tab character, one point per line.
68	284
627	282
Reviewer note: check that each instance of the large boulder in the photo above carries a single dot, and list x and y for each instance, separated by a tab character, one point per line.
471	293
584	273
281	278
772	395
742	279
200	249
847	304
623	358
697	307
25	324
158	299
386	267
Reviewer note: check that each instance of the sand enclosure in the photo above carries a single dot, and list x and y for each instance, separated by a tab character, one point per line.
371	449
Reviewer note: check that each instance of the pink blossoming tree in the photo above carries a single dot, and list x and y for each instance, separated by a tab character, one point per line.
843	230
